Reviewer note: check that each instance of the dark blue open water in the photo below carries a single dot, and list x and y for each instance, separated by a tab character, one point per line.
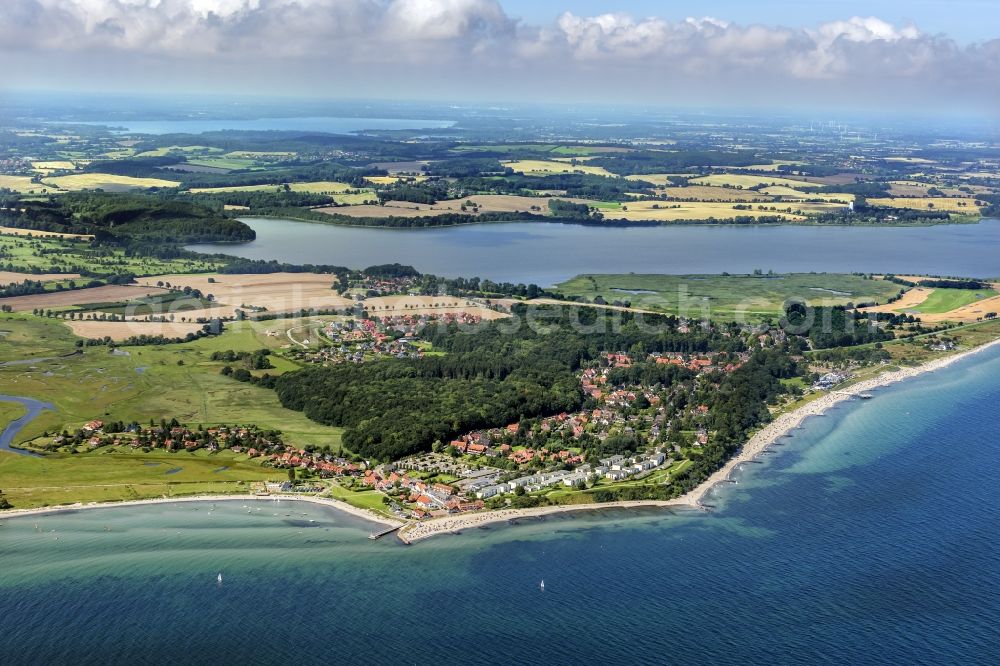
546	253
871	536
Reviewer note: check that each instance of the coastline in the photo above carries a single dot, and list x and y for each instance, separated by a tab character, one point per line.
410	532
752	449
324	501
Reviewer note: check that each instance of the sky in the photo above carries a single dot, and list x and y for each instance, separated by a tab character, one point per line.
880	55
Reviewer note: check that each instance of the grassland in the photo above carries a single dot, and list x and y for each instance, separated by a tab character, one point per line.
9	412
145	382
108	475
748	296
105	181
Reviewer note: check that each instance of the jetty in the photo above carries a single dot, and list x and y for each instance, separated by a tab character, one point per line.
389	530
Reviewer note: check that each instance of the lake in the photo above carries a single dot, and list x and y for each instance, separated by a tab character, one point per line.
330	125
547	253
869	537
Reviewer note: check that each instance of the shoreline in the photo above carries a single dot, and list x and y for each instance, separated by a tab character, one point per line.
324	501
754	447
410	532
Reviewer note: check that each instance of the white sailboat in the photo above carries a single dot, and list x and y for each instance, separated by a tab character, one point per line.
219	579
542	586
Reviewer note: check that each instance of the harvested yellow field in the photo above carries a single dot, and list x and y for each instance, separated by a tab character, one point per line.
909	300
14	231
387	306
276	292
666	211
251	154
120	330
792	193
7	277
23	185
762	167
339	191
54	300
659	179
400	209
709	193
967	313
916	296
52	165
950	204
547	167
391	180
480	203
106	181
750	180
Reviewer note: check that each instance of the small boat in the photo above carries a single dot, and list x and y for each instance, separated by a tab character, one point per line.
219	579
542	586
866	396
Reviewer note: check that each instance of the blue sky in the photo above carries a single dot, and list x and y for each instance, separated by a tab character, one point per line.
965	20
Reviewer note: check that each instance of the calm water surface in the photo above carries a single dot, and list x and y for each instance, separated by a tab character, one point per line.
870	536
547	253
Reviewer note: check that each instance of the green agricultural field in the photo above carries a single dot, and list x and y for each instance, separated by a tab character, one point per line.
146	382
946	300
103	476
44	255
720	296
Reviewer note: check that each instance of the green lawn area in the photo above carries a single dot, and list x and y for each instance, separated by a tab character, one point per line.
147	383
946	300
99	477
727	296
363	499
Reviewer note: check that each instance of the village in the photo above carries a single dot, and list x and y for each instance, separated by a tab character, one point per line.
626	431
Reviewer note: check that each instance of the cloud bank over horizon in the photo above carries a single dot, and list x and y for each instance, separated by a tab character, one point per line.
447	48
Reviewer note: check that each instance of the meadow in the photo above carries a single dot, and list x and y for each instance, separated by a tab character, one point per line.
146	382
750	296
110	474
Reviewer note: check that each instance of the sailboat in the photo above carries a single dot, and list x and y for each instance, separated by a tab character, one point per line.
542	586
219	579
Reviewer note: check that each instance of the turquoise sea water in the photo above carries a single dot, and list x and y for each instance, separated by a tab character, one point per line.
869	536
547	253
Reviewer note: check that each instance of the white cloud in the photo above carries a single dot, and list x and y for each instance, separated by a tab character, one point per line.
478	35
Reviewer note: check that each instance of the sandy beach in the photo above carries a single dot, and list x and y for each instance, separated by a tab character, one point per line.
413	531
753	448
